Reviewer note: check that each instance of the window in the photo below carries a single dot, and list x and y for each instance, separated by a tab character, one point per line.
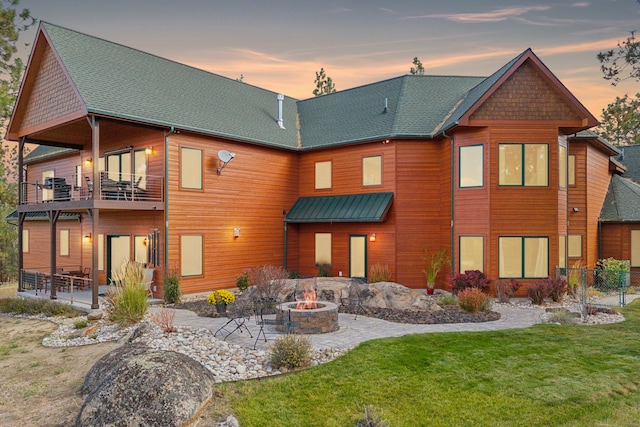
575	246
191	168
562	248
100	252
372	170
572	170
78	177
562	157
471	166
64	242
140	249
523	164
47	193
471	253
191	255
635	248
140	165
323	249
25	241
119	166
323	175
523	257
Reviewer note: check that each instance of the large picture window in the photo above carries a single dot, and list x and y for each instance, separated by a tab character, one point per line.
25	241
191	168
471	253
471	166
372	170
323	175
191	255
323	249
523	164
140	249
523	257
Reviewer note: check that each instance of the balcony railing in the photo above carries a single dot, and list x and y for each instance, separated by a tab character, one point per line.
112	186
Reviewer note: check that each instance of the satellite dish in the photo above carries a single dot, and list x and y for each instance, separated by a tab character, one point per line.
225	157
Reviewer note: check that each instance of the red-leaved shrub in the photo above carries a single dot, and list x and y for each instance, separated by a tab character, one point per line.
506	289
469	279
473	300
537	292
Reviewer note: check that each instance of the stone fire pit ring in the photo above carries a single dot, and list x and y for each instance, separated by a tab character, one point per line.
320	320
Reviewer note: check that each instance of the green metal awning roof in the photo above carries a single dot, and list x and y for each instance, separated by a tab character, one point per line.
369	207
41	216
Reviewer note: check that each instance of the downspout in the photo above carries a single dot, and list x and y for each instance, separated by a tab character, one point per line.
285	243
452	250
166	197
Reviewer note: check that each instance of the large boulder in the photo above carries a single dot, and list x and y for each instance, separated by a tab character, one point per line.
137	386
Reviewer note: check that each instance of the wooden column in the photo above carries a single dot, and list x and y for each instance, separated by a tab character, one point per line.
95	213
53	220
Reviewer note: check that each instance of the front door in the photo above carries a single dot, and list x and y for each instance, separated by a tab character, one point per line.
118	251
358	256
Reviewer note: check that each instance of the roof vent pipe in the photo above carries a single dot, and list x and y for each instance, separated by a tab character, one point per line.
280	98
386	106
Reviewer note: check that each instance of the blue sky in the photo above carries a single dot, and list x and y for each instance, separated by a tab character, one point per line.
280	44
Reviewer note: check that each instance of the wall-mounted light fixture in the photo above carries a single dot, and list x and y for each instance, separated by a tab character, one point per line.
88	161
576	209
149	150
236	232
87	237
372	237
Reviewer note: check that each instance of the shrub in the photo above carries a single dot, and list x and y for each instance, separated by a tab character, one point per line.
242	281
372	418
221	296
537	292
574	278
18	305
294	274
324	270
469	279
556	288
79	324
506	289
165	319
269	281
448	299
172	292
291	351
127	298
612	274
473	300
379	273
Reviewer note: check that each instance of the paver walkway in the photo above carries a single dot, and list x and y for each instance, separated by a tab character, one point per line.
354	331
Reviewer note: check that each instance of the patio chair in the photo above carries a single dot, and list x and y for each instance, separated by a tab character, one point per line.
238	313
281	321
148	281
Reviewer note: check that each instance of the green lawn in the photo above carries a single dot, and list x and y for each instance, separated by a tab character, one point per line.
548	375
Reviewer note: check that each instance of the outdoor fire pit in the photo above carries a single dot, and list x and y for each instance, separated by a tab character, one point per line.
309	316
319	320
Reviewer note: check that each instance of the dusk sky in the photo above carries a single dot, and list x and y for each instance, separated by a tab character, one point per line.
279	45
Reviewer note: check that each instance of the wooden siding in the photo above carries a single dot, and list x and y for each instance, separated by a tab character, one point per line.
597	183
38	257
616	240
472	206
526	95
524	211
251	193
50	95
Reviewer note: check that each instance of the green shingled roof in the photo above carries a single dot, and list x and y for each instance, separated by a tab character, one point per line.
622	202
121	82
42	152
370	207
630	158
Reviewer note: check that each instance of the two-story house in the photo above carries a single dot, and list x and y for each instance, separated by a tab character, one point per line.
143	158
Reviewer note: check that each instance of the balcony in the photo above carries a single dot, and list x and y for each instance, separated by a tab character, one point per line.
135	190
